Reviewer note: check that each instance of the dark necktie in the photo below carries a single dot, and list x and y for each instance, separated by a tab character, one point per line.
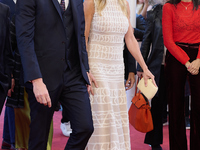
62	4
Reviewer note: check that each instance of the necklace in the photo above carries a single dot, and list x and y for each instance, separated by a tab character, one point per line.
185	6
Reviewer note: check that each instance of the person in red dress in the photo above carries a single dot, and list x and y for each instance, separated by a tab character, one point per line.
181	33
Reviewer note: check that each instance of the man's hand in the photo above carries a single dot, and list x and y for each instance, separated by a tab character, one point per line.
193	67
91	79
12	87
41	92
130	81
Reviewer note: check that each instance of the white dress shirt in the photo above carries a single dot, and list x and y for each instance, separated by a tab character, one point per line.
66	3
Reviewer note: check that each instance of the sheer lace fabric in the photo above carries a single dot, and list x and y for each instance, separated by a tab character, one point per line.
109	104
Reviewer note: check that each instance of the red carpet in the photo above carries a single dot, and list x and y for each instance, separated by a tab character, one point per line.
137	138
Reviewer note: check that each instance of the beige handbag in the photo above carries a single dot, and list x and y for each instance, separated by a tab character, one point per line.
149	91
140	113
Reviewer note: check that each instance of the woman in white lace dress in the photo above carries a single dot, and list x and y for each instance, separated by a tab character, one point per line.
106	25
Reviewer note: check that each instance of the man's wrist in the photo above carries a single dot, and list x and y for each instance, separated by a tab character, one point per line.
36	80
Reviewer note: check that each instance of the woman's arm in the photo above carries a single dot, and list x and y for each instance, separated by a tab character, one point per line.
134	49
167	27
89	12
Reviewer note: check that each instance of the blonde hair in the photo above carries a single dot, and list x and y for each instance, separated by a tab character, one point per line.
102	3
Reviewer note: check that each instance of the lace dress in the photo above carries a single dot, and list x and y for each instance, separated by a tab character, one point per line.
109	104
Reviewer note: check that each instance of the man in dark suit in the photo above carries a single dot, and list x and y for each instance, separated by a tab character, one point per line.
51	43
6	55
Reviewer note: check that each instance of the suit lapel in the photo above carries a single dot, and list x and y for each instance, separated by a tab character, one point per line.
57	6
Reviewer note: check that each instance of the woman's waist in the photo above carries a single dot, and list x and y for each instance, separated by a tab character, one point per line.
188	45
187	38
110	39
106	46
106	63
110	53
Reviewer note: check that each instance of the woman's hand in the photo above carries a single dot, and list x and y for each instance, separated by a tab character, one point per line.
187	64
91	80
146	75
193	68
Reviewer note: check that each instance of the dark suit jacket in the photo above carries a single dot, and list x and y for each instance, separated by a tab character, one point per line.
140	27
41	39
6	55
153	35
129	62
11	4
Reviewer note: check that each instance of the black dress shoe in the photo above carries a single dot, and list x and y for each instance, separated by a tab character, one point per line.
157	147
5	145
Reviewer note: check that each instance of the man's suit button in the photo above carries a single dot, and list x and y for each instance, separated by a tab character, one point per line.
63	59
63	42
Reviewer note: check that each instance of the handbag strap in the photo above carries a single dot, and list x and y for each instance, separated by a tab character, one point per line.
137	84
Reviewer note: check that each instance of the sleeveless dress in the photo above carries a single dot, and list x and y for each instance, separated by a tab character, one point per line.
109	103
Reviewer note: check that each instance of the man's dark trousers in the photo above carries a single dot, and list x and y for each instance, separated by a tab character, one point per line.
74	99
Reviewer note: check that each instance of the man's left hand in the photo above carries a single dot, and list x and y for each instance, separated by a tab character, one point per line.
130	81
